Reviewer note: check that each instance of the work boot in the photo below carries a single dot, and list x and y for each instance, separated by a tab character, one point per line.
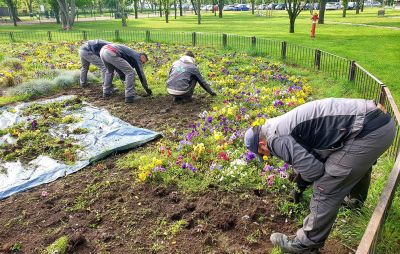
132	99
352	203
107	95
291	246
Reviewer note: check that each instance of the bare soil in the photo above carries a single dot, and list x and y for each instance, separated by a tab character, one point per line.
101	210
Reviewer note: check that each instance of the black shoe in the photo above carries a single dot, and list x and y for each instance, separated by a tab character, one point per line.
291	246
107	95
132	99
352	203
177	99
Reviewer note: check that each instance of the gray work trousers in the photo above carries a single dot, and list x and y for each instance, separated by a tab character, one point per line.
189	93
87	58
347	166
112	62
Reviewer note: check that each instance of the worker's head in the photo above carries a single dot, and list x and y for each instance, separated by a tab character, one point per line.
143	57
255	142
189	53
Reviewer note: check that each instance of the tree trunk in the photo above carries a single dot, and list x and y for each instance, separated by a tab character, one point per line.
175	8
160	8
100	6
358	7
166	10
292	20
252	6
362	5
135	5
29	5
194	7
198	12
13	11
180	8
321	18
345	6
220	7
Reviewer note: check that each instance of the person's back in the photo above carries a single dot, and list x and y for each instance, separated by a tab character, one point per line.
183	76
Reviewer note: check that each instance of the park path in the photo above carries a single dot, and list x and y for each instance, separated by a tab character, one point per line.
365	25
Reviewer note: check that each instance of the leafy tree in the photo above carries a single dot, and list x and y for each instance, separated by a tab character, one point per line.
293	8
12	6
29	5
55	7
67	13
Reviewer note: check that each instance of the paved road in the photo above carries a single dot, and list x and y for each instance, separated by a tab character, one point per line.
366	25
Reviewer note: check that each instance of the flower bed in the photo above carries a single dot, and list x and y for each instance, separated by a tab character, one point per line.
211	151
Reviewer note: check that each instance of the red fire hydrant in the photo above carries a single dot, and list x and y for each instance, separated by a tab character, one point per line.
314	19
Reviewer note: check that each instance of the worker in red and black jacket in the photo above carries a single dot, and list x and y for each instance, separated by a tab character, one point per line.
125	61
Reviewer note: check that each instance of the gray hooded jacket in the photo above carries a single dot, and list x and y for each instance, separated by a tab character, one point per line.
307	135
182	75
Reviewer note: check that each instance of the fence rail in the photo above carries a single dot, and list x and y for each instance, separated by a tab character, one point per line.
366	84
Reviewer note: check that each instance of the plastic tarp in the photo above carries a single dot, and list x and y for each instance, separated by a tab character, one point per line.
106	135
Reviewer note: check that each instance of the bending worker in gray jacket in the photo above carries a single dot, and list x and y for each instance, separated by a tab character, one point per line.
182	79
333	144
125	61
90	54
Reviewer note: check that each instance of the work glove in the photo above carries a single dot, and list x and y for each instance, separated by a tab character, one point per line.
149	92
297	194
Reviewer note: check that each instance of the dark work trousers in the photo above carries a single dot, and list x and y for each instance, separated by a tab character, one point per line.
344	170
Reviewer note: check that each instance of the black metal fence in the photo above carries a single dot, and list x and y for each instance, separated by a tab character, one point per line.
368	86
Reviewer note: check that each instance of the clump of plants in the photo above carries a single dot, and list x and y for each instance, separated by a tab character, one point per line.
36	135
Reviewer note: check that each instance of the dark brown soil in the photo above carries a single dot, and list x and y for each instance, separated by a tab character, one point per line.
101	210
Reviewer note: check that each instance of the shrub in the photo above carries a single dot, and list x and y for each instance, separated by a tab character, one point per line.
12	63
39	87
33	88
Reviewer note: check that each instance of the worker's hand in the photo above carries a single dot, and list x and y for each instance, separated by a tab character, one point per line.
293	176
149	92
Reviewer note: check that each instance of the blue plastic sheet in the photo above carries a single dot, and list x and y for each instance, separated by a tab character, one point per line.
106	135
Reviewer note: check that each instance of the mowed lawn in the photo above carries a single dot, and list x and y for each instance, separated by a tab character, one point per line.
375	48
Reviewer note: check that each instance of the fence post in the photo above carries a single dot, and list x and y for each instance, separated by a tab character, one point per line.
11	36
147	36
283	51
253	42
382	95
49	35
224	40
317	61
84	34
117	38
194	41
352	71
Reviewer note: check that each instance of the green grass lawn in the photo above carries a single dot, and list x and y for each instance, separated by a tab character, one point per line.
376	49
